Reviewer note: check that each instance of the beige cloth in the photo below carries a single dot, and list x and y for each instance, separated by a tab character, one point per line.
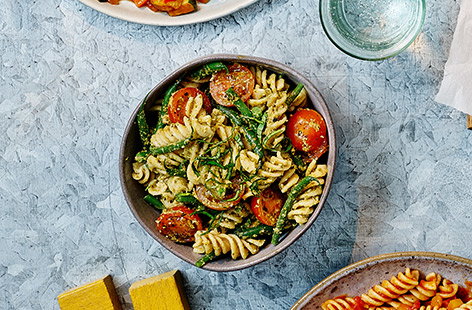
456	87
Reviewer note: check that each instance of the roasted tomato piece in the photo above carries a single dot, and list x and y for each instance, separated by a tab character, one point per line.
207	199
178	102
266	207
359	304
179	224
239	78
307	131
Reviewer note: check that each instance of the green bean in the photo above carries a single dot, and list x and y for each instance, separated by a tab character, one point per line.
188	198
294	193
238	103
165	103
207	70
294	93
255	231
155	202
248	132
143	127
205	259
169	148
141	156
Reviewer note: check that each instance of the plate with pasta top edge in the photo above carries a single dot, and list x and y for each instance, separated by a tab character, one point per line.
223	243
127	10
402	280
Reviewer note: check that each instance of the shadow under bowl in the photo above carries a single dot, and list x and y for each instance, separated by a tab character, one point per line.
146	215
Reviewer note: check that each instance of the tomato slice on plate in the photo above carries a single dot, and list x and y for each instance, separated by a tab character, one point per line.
266	207
179	224
207	199
359	304
238	77
178	101
307	131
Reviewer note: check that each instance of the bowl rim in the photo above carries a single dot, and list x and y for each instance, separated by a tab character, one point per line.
373	260
352	54
313	92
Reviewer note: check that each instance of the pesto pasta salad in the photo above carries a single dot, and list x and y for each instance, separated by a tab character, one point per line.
232	157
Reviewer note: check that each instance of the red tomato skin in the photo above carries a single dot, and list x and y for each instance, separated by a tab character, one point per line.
179	224
239	77
307	131
205	197
178	102
266	207
416	305
359	303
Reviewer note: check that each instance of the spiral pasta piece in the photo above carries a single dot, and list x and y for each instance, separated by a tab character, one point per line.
315	170
141	173
269	83
172	134
248	160
304	204
276	119
220	244
406	299
427	288
200	121
339	303
429	307
288	180
160	163
389	290
447	289
234	216
273	168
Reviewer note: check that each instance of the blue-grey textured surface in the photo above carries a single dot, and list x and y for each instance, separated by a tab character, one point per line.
70	77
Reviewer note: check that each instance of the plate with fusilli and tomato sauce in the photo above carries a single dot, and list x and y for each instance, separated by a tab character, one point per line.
233	160
397	281
167	12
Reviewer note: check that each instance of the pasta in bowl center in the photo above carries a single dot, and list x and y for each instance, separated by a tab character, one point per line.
228	161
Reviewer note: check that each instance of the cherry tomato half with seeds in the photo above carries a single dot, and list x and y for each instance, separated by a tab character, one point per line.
178	103
307	131
239	78
207	199
179	224
266	207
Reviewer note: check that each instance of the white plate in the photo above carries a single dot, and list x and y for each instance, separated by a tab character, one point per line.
127	10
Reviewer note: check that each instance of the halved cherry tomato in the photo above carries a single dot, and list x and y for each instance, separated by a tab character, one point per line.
307	132
205	197
239	78
179	224
178	102
266	207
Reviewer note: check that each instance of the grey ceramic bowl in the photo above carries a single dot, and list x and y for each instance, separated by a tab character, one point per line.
146	215
359	277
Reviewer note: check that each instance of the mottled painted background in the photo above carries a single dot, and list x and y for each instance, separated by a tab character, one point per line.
70	77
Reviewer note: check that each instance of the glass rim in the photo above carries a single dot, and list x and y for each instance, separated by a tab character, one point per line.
357	56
